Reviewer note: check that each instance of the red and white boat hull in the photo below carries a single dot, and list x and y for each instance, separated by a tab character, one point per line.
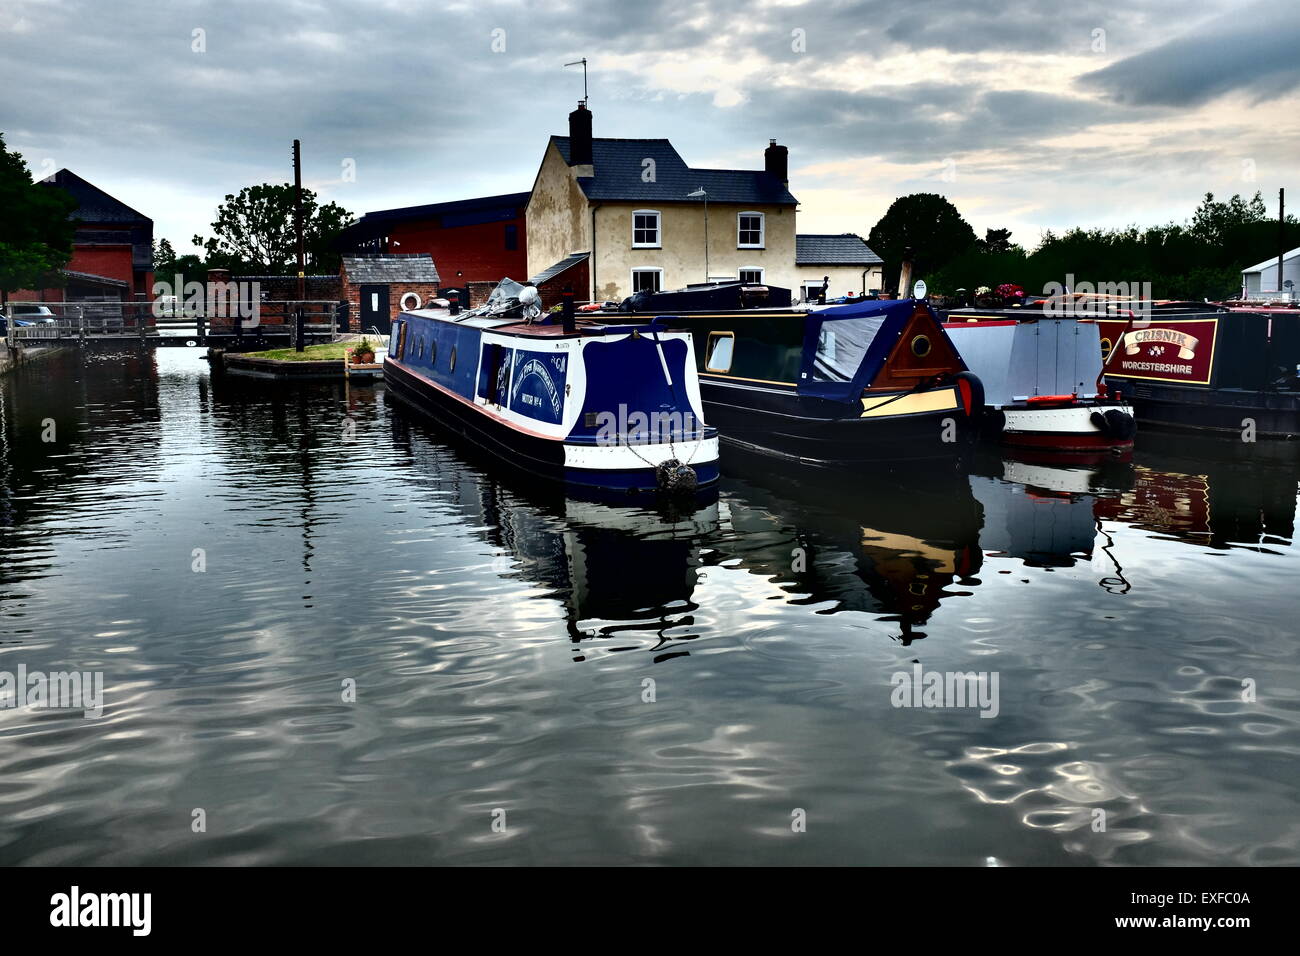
1067	428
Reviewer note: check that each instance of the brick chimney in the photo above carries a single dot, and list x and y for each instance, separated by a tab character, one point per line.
580	136
776	160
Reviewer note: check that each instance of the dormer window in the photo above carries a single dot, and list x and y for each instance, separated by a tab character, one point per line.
645	229
749	230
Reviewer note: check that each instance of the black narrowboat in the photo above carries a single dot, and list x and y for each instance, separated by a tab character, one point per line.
871	383
1233	371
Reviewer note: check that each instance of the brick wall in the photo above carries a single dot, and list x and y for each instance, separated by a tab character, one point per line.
465	254
396	290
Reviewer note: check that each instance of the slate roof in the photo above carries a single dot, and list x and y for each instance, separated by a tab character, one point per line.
845	249
619	163
505	200
410	267
93	204
551	272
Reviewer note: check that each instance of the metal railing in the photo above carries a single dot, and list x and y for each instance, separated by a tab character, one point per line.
84	320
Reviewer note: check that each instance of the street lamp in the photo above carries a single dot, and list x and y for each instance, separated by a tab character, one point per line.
696	195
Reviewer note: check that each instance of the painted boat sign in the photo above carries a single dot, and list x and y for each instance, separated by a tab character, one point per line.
1162	350
539	380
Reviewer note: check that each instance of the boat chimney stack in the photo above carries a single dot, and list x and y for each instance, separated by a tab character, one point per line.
905	274
580	136
776	161
567	312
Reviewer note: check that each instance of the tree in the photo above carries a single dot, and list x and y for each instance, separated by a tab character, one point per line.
996	241
35	231
1214	222
254	232
926	223
167	265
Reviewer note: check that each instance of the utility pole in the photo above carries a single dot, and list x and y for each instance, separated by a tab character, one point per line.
297	225
1281	237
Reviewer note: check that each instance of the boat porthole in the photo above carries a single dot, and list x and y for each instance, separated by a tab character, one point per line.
409	295
453	358
1105	346
921	346
433	351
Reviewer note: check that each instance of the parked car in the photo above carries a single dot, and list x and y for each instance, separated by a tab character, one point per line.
18	324
33	315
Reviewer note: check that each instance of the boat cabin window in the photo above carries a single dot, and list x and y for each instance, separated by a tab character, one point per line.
749	230
645	229
718	353
394	340
453	358
401	342
646	279
841	346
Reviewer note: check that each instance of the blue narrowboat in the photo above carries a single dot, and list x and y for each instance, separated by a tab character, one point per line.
593	406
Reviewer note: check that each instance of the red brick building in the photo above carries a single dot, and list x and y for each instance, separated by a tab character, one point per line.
379	287
112	252
470	240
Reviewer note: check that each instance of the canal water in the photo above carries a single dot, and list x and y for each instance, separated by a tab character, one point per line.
328	634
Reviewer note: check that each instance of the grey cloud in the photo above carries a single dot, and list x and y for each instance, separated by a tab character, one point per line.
1255	50
413	92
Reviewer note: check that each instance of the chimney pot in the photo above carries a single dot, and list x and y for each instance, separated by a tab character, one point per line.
776	161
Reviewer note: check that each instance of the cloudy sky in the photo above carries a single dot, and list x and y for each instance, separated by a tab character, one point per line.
1027	114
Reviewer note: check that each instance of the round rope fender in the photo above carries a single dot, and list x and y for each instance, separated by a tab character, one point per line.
409	295
1115	424
675	478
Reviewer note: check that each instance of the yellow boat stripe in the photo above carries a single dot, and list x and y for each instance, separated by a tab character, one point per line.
935	401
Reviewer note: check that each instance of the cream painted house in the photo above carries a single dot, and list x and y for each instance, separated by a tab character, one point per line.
845	259
628	204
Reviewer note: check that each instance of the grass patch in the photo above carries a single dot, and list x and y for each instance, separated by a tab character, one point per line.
312	353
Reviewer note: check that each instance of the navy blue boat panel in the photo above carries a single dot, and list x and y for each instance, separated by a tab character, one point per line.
887	307
444	352
625	377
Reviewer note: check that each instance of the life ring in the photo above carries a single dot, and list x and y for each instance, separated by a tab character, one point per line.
402	301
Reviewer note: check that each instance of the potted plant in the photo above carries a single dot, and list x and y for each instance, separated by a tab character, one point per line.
363	353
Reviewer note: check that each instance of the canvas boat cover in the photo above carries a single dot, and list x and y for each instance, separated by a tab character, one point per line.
846	345
1019	359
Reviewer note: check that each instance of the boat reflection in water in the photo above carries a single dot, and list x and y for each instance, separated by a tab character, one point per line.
623	571
1049	515
1206	491
884	545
